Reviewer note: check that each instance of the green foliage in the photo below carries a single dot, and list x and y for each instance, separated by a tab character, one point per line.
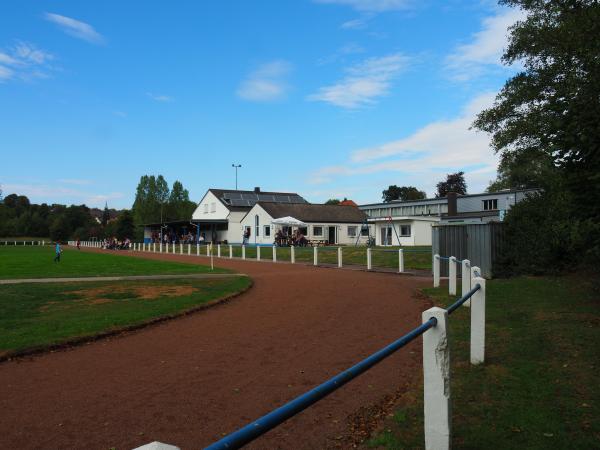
455	182
125	227
544	123
333	201
394	192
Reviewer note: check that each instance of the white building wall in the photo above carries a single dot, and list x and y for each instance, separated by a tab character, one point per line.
420	232
210	208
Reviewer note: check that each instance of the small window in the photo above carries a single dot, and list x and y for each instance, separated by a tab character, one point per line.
404	230
206	208
364	230
213	207
490	205
257	225
351	231
317	231
303	231
267	230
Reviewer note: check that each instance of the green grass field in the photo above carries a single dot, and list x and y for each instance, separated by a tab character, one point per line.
40	315
539	387
416	258
37	262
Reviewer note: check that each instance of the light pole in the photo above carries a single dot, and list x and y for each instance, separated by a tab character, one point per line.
236	166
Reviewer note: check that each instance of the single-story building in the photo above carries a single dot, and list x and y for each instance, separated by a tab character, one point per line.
220	211
331	224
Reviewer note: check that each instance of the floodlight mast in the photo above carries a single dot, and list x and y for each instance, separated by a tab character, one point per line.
236	166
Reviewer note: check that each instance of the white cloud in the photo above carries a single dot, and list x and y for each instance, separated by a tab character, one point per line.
24	61
426	155
371	5
76	181
364	82
76	28
267	83
356	24
470	60
160	97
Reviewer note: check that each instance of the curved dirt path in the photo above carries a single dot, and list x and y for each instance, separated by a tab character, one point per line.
188	381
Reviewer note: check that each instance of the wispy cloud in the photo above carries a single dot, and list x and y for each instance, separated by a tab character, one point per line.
267	83
364	82
484	51
75	181
371	5
356	24
40	192
76	28
160	97
24	61
342	53
428	153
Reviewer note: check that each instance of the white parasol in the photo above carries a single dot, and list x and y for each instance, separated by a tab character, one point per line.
288	221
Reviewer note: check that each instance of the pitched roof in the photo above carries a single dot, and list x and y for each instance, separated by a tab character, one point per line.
307	212
348	203
244	200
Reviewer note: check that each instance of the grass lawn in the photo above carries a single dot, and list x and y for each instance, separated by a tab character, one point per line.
382	257
539	387
39	315
36	262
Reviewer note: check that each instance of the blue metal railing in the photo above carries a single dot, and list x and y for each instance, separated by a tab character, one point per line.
454	306
276	417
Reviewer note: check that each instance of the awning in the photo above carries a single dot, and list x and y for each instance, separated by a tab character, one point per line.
288	221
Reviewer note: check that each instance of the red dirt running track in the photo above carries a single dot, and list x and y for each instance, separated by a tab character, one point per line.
188	381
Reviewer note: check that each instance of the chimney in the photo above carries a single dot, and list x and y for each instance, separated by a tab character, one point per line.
257	189
452	210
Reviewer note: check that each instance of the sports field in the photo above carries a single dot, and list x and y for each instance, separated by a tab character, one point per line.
39	315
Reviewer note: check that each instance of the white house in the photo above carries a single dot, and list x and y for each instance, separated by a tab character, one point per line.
333	224
220	211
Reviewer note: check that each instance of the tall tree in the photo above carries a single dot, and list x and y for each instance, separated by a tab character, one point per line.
402	193
333	201
105	215
455	182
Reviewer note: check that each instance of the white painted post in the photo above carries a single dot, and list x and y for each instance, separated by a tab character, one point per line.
43	242
174	246
207	249
315	256
340	263
189	249
181	248
243	251
436	270
473	274
274	253
197	249
452	275
293	254
230	251
157	446
154	247
160	249
400	260
436	380
258	252
466	278
478	322
369	259
167	249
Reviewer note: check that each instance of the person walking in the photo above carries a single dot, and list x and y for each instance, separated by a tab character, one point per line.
78	244
58	252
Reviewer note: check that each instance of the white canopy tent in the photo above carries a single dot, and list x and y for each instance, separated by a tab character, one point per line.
288	221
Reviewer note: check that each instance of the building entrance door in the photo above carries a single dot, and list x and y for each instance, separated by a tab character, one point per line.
332	235
386	235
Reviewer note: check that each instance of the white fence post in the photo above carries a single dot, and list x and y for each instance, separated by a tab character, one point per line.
167	248
473	273
315	256
154	247
478	322
400	260
452	275
274	253
258	252
181	248
197	249
218	250
207	249
436	381
436	270
160	249
189	249
293	254
174	248
230	251
243	251
369	259
466	278
340	262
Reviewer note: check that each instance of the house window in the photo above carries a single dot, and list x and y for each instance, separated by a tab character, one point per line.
303	231
351	231
257	225
364	230
404	230
490	205
206	208
213	207
317	231
267	230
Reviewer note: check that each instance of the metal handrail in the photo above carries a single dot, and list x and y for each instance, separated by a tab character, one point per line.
269	421
454	306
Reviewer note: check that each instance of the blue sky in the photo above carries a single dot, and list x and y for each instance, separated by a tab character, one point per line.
327	98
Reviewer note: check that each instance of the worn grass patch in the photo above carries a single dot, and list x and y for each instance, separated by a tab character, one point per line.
37	262
539	387
39	315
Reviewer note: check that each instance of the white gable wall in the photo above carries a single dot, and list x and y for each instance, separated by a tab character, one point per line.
210	208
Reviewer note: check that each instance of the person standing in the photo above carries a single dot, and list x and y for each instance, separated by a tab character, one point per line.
58	252
78	244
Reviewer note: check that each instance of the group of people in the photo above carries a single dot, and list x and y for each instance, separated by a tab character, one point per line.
296	239
170	237
116	244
